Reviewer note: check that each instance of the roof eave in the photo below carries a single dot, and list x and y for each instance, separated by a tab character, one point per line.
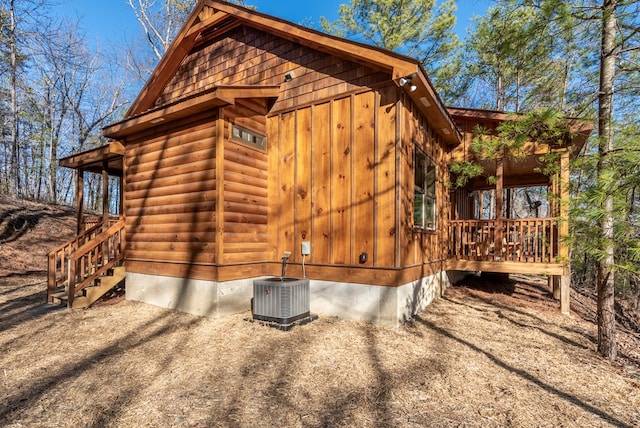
216	97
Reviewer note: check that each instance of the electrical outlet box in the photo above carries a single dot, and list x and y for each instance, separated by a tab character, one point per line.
306	248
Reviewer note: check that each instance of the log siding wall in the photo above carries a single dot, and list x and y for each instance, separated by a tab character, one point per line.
244	167
171	193
338	172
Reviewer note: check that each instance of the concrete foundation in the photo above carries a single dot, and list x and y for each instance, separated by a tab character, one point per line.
390	306
205	298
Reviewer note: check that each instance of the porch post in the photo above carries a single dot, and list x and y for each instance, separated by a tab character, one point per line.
563	234
499	186
105	193
554	281
79	201
121	209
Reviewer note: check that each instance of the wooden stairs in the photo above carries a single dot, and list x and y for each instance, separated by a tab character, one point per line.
90	294
86	268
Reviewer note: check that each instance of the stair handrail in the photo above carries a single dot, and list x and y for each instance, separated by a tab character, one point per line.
81	237
82	273
57	259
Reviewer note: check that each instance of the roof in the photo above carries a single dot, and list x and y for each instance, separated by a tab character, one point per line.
580	129
211	18
94	160
216	97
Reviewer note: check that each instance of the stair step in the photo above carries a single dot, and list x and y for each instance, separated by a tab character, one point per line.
78	302
104	284
59	296
89	295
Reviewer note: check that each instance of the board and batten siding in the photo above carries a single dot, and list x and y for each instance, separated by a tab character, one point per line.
334	180
344	183
423	247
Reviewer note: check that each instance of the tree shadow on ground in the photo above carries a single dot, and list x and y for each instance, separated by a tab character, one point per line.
12	289
15	310
18	401
503	311
524	293
606	417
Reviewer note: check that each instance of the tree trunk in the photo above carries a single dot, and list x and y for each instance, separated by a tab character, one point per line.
14	164
605	275
54	132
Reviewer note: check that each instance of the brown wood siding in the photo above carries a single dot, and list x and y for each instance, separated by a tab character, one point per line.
171	193
247	56
341	197
245	204
422	246
385	177
248	113
321	238
304	167
364	127
329	160
286	172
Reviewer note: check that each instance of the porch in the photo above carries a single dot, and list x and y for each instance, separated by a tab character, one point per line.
514	217
83	269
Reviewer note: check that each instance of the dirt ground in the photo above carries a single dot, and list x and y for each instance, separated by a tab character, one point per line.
488	354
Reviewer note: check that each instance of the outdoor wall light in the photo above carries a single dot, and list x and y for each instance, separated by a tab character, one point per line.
406	81
288	77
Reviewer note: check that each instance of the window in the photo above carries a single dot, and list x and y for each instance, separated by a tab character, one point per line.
424	200
239	133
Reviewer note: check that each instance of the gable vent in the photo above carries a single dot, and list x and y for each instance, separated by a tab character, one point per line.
220	27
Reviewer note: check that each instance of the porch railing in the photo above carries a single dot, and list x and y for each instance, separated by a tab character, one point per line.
531	240
90	221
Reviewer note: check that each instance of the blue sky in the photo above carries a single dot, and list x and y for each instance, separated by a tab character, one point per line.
112	21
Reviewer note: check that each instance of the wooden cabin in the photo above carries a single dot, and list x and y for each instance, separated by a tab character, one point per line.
255	135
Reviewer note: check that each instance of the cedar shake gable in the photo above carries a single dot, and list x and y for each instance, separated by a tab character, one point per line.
216	20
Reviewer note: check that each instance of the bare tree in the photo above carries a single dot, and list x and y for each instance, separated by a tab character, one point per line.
160	21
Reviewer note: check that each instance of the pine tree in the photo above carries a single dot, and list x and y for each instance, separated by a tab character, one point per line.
611	29
415	28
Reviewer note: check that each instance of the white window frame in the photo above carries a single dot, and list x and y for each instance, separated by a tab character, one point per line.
425	180
246	136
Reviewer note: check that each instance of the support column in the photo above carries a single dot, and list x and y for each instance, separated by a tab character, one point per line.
563	234
499	200
554	281
105	194
121	206
79	201
565	293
